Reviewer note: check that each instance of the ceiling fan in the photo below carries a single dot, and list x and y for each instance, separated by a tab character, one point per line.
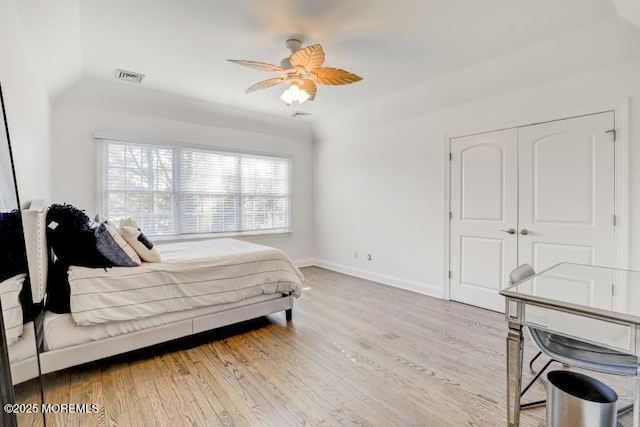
301	71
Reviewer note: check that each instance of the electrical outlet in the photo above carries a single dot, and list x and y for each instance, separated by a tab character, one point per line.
368	257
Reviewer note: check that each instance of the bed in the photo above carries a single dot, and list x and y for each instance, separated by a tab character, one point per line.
198	286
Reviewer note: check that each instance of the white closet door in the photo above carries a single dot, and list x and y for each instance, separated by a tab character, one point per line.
566	193
483	204
551	182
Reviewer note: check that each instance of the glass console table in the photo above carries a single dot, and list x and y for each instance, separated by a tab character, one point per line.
595	305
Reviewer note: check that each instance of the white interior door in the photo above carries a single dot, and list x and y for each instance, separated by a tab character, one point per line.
566	192
483	210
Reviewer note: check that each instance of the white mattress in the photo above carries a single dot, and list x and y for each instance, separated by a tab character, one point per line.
25	347
61	331
191	275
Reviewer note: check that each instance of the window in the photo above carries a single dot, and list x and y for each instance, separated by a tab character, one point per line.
186	190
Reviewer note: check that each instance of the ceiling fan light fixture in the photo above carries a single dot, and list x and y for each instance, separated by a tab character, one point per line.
294	94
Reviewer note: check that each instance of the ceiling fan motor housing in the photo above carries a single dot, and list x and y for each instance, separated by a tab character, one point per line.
286	63
293	45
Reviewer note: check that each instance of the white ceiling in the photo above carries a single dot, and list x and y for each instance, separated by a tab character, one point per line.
182	46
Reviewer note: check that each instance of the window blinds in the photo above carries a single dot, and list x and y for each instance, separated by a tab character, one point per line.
185	190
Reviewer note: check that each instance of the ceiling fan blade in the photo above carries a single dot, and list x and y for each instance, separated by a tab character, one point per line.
257	65
309	87
333	76
310	57
265	84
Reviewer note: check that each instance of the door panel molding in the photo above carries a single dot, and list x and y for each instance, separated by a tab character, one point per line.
548	211
487	246
471	188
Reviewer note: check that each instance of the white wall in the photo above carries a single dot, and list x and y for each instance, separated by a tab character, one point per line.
379	180
53	28
629	10
135	112
27	106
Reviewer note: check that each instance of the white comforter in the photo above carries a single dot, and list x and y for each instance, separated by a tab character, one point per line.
191	275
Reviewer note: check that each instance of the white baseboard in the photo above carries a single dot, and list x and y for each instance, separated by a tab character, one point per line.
306	262
409	285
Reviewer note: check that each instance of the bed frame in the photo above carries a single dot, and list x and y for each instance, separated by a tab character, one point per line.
34	219
26	368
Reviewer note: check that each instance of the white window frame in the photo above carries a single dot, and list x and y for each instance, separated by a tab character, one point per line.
102	139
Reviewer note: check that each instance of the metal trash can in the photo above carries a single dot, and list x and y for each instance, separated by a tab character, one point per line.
577	400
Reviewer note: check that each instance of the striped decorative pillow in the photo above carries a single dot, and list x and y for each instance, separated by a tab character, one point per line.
11	307
114	247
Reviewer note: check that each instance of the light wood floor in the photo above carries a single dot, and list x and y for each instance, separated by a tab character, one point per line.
356	353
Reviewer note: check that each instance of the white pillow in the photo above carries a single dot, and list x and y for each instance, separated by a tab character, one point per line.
11	307
138	241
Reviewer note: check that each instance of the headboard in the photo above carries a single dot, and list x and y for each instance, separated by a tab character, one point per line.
34	220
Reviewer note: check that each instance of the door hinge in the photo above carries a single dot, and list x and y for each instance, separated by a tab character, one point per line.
614	133
615	220
450	156
450	215
450	275
613	290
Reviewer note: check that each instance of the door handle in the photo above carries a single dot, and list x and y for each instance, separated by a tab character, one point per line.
510	231
524	232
